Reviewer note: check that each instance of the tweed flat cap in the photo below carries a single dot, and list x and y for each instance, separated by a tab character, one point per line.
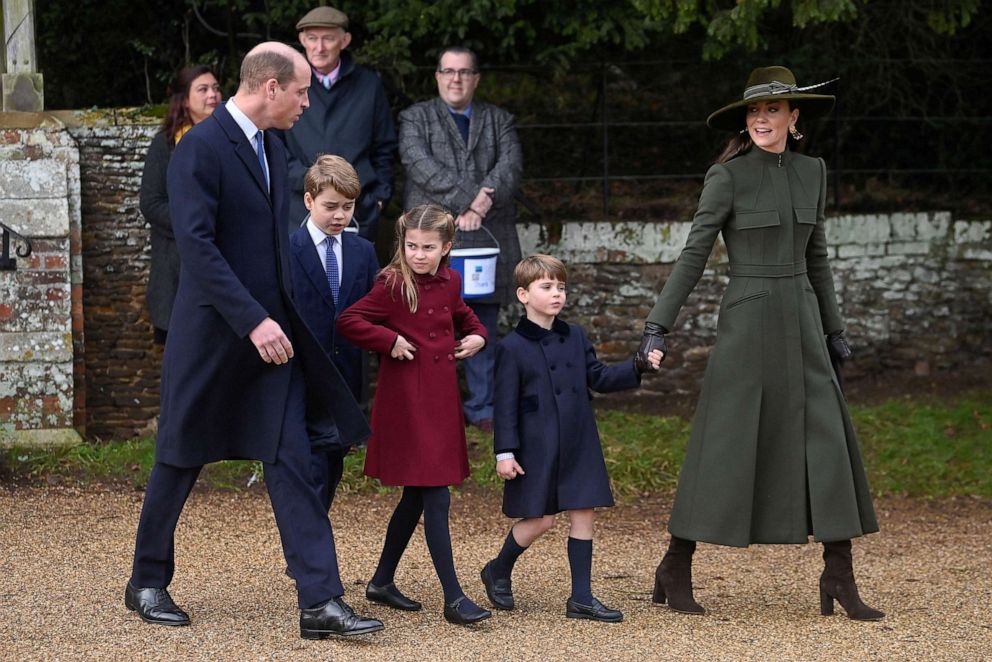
323	17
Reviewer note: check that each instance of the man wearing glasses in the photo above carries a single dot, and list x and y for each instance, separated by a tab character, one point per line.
464	155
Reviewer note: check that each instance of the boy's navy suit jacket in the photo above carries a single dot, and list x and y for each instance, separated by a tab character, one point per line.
312	295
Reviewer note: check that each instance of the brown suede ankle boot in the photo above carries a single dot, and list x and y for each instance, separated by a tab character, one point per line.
837	583
673	578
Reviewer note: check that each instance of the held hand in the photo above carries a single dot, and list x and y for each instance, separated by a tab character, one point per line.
402	349
655	357
483	200
272	344
838	347
469	221
652	341
469	346
508	469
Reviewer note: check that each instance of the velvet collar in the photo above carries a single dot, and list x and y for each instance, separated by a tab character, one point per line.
532	331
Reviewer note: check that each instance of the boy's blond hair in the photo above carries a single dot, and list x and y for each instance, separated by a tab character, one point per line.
331	171
537	266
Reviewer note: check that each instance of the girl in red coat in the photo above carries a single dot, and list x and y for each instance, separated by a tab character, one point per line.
412	318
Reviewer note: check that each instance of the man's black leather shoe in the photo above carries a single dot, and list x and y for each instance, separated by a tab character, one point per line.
335	618
597	611
390	596
154	605
465	612
499	591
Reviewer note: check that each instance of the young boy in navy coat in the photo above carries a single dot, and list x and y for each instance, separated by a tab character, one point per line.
546	442
331	269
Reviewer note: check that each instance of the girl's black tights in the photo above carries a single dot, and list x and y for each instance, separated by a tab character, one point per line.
434	503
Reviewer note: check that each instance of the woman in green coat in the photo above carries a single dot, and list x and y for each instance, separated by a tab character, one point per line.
772	457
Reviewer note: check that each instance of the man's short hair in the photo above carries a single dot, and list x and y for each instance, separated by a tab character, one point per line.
538	266
458	50
263	65
331	171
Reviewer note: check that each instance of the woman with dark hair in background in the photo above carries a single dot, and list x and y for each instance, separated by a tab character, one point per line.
196	93
772	457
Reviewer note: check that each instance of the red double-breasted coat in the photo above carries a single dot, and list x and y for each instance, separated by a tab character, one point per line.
418	430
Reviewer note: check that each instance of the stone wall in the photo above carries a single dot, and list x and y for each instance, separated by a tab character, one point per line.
42	394
916	289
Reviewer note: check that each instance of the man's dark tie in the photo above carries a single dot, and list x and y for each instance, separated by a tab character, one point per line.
331	266
260	150
461	121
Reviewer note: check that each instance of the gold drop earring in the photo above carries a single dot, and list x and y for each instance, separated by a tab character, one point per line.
794	132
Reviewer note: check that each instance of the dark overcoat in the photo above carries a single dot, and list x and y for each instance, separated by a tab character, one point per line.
163	279
544	417
443	169
772	457
312	295
353	121
418	431
220	400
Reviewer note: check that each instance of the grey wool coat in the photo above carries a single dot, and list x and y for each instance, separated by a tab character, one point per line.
772	457
441	168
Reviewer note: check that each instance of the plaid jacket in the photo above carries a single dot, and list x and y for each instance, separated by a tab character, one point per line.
443	169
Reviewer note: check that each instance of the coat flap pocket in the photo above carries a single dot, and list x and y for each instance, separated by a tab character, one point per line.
756	219
806	215
528	404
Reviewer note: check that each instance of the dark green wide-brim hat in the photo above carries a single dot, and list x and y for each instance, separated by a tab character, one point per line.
772	84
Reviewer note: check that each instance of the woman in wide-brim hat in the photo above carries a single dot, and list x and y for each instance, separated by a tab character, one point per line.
772	457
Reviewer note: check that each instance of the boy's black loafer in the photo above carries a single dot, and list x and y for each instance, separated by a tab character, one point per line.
465	612
390	596
596	611
499	591
335	618
154	605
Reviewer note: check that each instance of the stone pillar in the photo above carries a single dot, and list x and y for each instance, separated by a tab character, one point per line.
41	342
22	85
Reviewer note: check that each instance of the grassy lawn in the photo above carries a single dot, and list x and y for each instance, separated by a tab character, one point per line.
912	446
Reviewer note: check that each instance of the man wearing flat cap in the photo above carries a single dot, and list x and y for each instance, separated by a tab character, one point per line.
348	116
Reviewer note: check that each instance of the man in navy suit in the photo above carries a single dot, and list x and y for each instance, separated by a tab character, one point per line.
243	377
332	269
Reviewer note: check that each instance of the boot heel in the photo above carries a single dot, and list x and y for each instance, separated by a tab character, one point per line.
658	596
826	603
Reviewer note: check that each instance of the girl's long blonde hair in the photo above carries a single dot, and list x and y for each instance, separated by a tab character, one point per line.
426	218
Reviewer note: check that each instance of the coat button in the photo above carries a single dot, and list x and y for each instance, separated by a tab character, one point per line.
552	366
546	343
447	332
561	340
568	365
427	287
430	311
451	357
436	358
432	335
557	391
445	309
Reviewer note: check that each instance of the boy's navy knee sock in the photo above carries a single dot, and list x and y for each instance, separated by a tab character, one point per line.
580	563
503	564
401	526
436	503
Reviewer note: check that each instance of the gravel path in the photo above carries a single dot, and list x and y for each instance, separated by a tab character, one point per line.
65	556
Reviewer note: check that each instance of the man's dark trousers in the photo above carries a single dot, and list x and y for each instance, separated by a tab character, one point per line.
300	512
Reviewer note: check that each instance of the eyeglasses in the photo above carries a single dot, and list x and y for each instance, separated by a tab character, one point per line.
462	73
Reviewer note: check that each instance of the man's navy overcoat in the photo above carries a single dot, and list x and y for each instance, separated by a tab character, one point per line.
220	400
544	417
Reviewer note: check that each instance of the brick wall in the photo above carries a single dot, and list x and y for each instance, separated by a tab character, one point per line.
916	289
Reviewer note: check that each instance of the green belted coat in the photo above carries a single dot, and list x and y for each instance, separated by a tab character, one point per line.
772	457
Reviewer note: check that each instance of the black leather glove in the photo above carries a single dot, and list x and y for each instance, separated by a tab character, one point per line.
838	347
653	338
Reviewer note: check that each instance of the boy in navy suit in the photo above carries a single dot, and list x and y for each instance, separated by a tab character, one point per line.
331	269
546	442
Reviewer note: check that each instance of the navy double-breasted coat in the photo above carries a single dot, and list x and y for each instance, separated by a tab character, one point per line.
220	400
313	298
418	431
544	417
